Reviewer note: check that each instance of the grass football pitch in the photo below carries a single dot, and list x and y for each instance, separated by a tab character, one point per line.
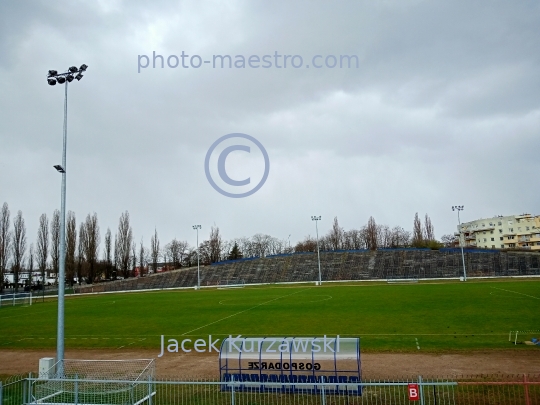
427	316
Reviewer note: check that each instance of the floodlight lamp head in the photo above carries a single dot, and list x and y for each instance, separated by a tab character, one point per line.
69	78
59	168
52	73
83	67
61	79
79	77
51	82
73	69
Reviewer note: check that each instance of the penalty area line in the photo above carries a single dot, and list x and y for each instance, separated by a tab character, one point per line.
515	292
241	312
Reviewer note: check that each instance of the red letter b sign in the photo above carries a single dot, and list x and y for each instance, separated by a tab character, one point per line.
413	392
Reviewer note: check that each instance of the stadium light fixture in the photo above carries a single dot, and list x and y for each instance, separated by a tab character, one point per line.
316	219
54	77
459	208
197	227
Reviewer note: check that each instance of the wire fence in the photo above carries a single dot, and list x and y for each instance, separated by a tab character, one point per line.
481	390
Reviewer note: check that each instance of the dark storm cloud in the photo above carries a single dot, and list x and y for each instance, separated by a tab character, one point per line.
443	109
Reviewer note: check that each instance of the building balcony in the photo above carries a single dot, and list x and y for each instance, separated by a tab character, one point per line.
524	239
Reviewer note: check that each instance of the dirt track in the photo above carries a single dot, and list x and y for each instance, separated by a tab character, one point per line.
374	365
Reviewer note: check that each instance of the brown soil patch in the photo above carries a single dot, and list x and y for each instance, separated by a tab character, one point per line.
374	365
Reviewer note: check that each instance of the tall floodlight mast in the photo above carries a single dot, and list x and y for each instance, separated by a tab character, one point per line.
54	77
459	208
197	227
317	219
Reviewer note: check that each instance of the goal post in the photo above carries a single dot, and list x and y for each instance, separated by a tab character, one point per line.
13	299
95	382
526	337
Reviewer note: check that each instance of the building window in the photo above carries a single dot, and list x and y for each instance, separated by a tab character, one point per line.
511	237
537	243
500	223
502	246
500	230
511	229
519	228
493	246
491	232
527	228
492	239
501	238
485	240
484	232
512	245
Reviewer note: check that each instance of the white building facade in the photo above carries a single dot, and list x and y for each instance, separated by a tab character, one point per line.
502	232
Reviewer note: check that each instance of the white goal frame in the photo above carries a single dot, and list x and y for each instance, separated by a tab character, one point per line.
13	299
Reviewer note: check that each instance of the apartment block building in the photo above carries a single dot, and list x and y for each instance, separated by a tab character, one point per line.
502	232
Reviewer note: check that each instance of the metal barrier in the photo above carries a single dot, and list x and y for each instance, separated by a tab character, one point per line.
522	390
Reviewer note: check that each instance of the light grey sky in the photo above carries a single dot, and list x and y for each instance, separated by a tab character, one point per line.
443	109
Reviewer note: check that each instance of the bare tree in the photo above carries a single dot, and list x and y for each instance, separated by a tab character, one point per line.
335	236
55	241
215	245
429	232
307	245
371	234
81	253
18	246
91	245
400	237
108	254
133	258
43	246
142	259
5	242
384	236
30	265
176	250
122	244
71	246
417	238
353	240
154	250
449	240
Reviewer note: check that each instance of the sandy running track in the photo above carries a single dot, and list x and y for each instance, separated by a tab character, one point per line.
374	365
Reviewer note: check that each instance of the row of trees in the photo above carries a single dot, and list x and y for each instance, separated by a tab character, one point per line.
122	257
373	236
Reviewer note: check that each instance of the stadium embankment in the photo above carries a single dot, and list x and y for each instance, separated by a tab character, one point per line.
339	266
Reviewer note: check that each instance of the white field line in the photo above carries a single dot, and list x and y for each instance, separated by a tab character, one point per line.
241	312
515	292
417	344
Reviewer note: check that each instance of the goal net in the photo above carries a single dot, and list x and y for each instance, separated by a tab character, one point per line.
95	382
525	337
231	283
10	300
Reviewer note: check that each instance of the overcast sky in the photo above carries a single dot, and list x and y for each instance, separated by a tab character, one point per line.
443	109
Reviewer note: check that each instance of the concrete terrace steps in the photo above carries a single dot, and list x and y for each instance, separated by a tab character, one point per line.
337	266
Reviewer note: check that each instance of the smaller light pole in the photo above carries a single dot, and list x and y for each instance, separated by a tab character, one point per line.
316	219
197	227
460	208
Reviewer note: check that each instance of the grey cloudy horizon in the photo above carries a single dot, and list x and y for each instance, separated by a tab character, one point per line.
444	109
